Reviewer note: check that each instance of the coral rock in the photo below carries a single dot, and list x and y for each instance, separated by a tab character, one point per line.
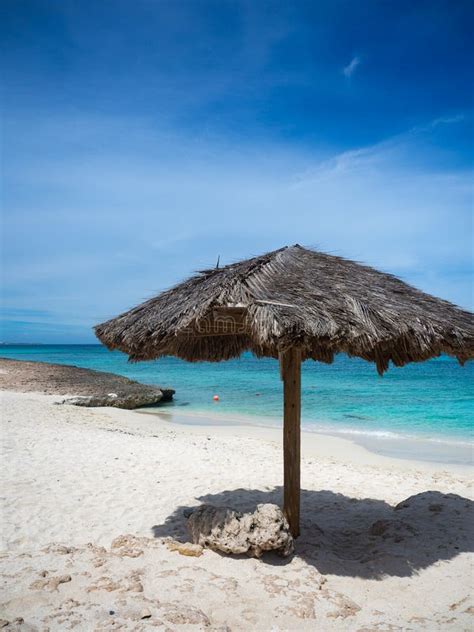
229	531
186	548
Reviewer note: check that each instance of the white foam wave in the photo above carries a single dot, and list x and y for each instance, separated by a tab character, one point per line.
385	434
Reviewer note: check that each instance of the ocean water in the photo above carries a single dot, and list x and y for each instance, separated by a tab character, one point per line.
432	400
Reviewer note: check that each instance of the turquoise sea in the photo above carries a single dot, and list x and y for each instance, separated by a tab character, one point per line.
431	401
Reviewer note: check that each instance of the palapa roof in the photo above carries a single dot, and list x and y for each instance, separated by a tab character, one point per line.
294	296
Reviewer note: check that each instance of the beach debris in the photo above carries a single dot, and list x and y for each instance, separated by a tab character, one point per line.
127	546
185	548
180	614
130	583
60	549
133	582
49	583
104	583
346	607
230	531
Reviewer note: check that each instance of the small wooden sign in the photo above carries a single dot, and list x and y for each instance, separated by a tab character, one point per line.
221	321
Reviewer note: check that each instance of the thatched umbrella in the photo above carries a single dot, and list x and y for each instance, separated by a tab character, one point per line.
293	304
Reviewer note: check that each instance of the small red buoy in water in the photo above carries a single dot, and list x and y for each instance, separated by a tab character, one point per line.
216	398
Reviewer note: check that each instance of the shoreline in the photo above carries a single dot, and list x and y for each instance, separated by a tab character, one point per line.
429	402
434	451
146	422
354	448
70	381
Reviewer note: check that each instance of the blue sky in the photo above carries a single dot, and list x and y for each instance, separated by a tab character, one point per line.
143	139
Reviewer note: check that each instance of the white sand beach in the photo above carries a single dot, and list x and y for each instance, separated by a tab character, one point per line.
91	497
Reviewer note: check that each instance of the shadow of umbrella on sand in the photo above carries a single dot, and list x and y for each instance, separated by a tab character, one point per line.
360	537
293	304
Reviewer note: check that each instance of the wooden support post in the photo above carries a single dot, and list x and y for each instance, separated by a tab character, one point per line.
290	365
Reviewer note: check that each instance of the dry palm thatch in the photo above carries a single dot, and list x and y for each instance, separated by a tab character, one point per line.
293	297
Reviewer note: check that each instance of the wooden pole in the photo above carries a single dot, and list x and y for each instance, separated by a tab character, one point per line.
290	365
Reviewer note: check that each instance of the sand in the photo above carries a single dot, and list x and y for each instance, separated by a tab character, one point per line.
91	498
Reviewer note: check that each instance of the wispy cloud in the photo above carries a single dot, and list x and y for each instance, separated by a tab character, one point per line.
351	67
391	150
106	232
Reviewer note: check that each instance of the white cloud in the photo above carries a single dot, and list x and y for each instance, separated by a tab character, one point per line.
351	67
102	228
